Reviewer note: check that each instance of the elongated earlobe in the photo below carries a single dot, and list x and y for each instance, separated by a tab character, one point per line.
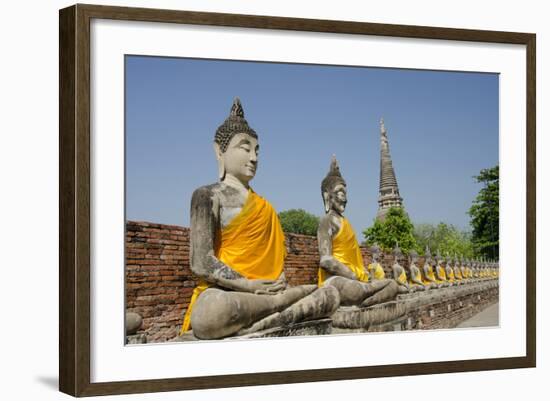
325	201
219	158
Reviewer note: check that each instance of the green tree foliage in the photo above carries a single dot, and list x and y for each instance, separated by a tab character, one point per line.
298	221
444	237
396	227
484	214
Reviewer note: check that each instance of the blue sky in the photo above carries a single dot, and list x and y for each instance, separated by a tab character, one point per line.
442	129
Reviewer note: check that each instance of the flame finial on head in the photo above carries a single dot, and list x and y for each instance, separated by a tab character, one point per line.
234	124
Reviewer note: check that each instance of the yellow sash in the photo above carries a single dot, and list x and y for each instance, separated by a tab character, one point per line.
441	272
402	279
253	244
345	249
377	271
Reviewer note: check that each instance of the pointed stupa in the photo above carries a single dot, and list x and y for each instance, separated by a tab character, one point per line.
389	191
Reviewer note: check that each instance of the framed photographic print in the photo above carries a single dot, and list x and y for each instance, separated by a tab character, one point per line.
262	188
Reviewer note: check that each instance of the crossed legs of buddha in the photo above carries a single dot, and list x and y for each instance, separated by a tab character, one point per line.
218	313
353	292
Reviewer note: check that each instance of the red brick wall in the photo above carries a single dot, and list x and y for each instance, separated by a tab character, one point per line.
159	282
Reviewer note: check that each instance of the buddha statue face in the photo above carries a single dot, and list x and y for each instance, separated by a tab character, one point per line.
333	189
336	198
413	257
438	259
375	251
240	159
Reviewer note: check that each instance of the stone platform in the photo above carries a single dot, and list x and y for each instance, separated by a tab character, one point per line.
431	309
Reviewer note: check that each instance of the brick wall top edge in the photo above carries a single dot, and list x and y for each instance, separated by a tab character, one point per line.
155	225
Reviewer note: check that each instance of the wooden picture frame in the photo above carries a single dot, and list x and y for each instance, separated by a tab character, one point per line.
74	203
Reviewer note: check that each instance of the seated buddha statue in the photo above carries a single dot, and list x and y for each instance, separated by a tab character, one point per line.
375	269
475	271
487	270
238	249
471	269
482	272
399	273
478	270
490	269
415	276
464	268
457	271
449	271
468	270
341	262
440	275
429	275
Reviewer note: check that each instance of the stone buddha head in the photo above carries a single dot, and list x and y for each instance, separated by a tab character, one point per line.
428	255
438	258
236	146
375	252
333	189
413	257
